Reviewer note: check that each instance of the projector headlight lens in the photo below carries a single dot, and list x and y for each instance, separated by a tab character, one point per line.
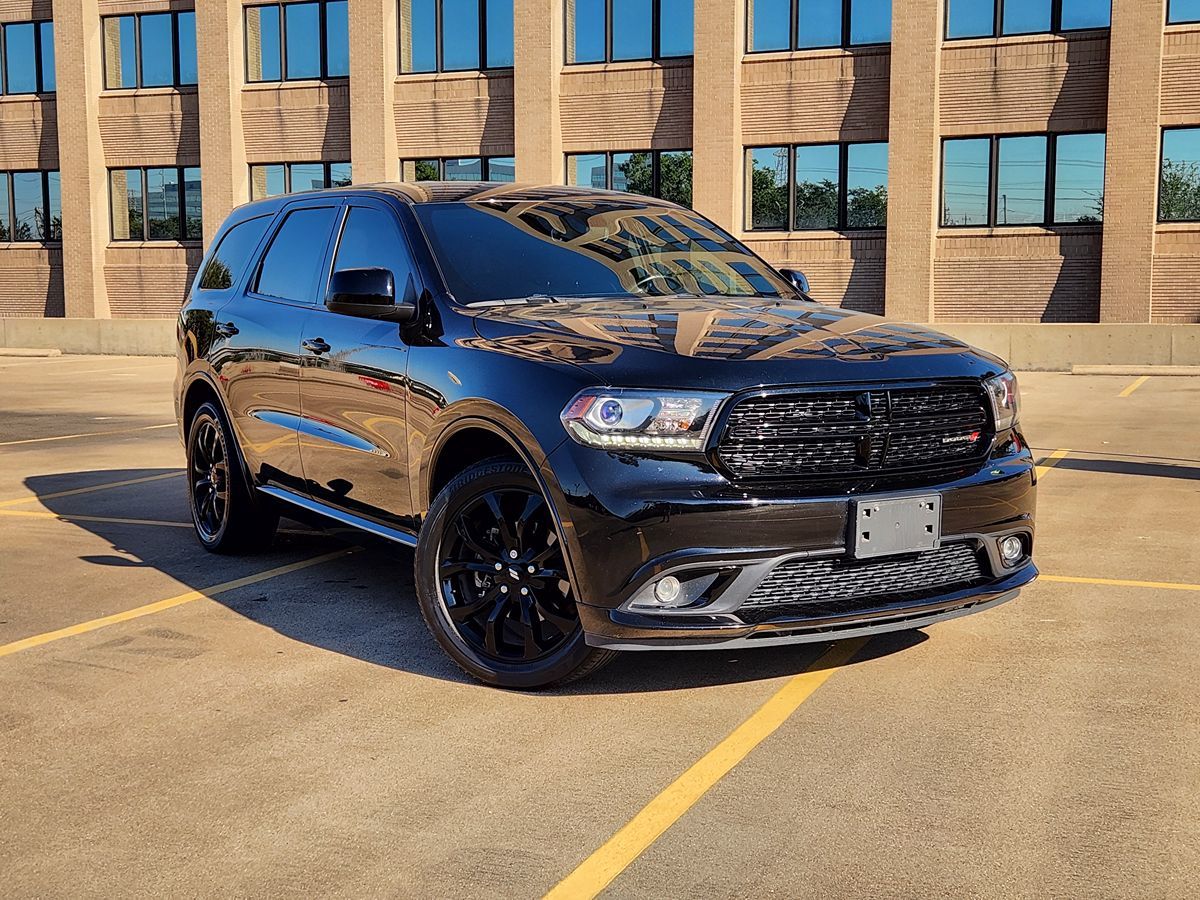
628	419
1005	395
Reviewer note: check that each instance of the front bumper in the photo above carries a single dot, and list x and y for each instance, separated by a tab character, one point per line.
628	521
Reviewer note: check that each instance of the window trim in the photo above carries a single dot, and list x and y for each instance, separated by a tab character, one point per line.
998	25
260	254
38	62
1162	147
287	175
184	237
323	50
1170	21
655	40
843	203
8	213
438	40
655	170
176	84
793	35
1049	212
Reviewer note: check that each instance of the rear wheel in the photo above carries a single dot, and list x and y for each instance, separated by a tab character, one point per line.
492	582
226	518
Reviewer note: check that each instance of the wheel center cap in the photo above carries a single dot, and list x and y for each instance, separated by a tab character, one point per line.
514	574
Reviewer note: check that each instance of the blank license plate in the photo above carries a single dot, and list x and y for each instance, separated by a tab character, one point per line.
902	525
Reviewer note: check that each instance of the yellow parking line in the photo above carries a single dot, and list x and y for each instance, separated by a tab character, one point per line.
1050	462
1122	582
598	870
1133	387
85	434
150	609
17	501
114	520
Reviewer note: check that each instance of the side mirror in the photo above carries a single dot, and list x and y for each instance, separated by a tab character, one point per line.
797	279
370	294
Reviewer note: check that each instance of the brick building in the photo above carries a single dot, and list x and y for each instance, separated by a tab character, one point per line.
969	160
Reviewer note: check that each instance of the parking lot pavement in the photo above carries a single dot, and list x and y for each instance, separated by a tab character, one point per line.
177	723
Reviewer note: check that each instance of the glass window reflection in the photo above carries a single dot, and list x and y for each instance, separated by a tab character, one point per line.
1021	180
264	45
302	37
20	58
1179	176
1080	14
1079	178
187	47
818	23
818	183
337	38
499	34
1179	11
1026	16
866	185
125	192
970	18
768	189
158	51
966	166
772	24
632	34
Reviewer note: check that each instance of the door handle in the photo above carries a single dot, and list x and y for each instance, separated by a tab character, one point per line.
316	345
226	329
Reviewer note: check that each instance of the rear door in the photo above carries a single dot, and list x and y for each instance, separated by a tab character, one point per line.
261	327
353	387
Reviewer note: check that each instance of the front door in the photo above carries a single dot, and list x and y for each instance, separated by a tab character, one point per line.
260	359
353	387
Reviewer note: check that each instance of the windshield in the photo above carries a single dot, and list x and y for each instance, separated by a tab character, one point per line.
492	251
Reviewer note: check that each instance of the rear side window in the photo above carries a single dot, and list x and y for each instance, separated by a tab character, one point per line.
372	240
231	255
293	262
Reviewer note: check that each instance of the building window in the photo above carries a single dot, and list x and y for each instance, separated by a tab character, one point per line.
817	24
998	18
1036	179
297	41
625	30
30	207
1182	11
817	187
288	178
467	168
27	57
1179	177
156	204
666	174
455	35
149	50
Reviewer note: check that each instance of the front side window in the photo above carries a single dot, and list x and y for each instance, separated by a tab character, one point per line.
817	187
149	50
1035	179
232	254
1183	11
625	30
1179	177
297	41
30	207
818	24
292	264
602	248
466	168
288	178
455	35
27	58
996	18
655	173
372	239
156	204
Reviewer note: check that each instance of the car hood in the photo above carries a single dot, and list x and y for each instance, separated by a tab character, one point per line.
725	343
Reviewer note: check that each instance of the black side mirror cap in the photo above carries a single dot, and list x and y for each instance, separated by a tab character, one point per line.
370	294
796	278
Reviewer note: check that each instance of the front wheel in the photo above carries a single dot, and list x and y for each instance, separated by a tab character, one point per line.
492	582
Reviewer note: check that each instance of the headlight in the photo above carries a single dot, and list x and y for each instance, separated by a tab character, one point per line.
626	419
1006	399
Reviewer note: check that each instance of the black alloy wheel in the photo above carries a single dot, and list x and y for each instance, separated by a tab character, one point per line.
493	581
226	518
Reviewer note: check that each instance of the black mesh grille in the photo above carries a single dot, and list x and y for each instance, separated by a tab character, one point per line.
834	586
855	432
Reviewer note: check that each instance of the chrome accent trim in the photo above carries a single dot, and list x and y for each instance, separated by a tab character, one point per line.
338	515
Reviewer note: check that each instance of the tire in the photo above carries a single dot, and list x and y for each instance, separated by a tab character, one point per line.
502	623
225	517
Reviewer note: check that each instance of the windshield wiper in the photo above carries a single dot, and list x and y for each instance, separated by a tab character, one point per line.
517	301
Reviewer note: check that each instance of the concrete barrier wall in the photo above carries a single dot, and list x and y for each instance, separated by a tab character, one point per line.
1046	348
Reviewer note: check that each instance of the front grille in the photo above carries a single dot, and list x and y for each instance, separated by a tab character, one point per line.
858	432
830	587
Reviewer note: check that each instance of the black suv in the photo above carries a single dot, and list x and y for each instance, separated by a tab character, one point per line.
603	423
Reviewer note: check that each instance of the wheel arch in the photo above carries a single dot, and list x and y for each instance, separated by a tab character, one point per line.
200	390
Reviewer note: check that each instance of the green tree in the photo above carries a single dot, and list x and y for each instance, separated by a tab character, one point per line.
1179	190
768	200
675	178
427	170
816	204
866	207
637	173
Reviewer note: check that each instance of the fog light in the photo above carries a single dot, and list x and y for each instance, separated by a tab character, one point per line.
1011	549
667	590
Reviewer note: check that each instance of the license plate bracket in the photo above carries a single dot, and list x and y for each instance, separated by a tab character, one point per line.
897	525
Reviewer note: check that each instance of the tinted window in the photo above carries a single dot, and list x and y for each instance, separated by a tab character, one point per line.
158	55
632	35
340	174
1179	180
307	176
267	181
28	213
468	169
231	255
819	23
866	185
264	59
162	204
120	52
870	21
187	48
1079	178
1026	16
772	24
675	176
125	191
588	248
1021	181
501	168
628	29
970	18
460	34
20	58
588	169
768	187
337	38
48	83
418	36
499	33
54	213
193	206
633	172
817	186
1085	14
5	231
965	181
372	240
303	24
1183	11
292	264
587	31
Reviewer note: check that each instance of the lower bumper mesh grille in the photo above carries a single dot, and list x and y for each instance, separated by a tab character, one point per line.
833	586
